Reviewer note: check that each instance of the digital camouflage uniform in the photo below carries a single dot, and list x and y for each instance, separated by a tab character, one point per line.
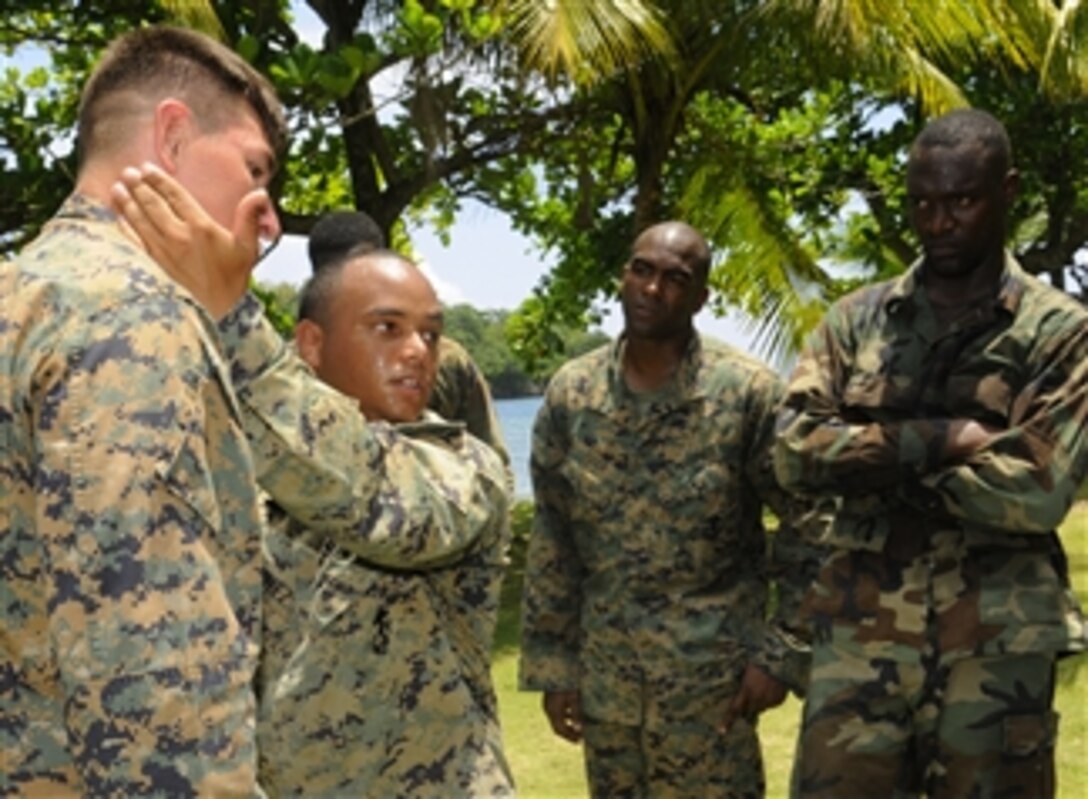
461	395
946	598
647	576
129	547
382	589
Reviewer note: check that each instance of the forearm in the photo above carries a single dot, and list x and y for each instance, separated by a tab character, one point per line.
1022	481
376	493
822	454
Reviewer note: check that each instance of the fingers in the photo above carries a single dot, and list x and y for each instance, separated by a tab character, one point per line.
257	216
255	219
147	213
564	712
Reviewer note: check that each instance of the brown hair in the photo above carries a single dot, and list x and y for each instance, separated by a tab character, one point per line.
150	64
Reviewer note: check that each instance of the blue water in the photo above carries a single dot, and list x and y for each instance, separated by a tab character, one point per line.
516	419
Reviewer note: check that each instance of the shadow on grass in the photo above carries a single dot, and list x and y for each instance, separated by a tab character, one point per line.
508	631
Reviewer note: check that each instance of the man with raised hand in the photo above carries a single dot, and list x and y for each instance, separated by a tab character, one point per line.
383	586
945	411
129	551
461	393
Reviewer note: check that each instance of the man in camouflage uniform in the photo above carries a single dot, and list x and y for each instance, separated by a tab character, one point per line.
646	583
376	680
387	536
946	411
461	393
129	549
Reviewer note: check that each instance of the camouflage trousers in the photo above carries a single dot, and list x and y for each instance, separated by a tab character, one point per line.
683	760
876	727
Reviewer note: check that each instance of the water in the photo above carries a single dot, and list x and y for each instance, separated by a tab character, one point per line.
516	419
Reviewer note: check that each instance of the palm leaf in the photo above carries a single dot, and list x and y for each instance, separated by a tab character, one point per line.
586	41
766	270
196	14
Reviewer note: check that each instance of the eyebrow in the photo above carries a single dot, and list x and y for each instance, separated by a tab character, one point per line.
437	316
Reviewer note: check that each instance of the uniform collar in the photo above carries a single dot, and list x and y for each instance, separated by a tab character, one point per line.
685	385
431	425
82	206
903	297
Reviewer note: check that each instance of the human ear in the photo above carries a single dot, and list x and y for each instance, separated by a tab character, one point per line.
700	301
1011	185
308	340
174	128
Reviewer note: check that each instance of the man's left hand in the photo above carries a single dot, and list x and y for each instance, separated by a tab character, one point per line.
212	262
759	691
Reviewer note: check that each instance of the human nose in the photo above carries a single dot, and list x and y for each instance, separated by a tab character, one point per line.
938	219
415	347
652	284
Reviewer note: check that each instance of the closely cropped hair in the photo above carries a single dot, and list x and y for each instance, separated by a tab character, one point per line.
148	65
969	126
339	232
318	293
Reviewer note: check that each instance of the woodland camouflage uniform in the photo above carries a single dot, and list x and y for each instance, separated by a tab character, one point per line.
648	569
932	565
129	547
382	589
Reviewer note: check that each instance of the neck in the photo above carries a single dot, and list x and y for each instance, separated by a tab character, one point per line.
96	181
649	364
979	284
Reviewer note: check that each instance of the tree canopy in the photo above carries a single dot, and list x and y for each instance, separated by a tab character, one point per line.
776	126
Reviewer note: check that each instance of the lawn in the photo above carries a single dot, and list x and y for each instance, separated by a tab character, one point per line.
546	767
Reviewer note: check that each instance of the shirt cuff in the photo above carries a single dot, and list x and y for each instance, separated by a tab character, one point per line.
250	343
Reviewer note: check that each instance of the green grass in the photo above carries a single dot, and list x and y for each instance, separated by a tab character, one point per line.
546	767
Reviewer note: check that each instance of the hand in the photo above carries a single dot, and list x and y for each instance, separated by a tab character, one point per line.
564	711
759	691
213	263
966	436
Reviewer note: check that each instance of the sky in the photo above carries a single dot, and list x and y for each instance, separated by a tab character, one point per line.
487	265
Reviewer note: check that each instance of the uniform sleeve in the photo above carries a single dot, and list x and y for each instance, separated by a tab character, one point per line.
552	594
831	444
1026	478
793	556
461	394
154	664
331	471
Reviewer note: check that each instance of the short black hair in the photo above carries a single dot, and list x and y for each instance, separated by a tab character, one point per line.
316	296
969	126
339	232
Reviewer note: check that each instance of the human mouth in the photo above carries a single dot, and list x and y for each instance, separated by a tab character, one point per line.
409	385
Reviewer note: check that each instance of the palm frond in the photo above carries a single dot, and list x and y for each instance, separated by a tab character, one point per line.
1064	69
196	14
587	41
765	270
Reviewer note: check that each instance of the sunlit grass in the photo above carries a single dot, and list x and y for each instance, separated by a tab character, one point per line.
546	767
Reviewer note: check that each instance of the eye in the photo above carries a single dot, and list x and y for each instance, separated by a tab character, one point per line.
678	279
639	269
257	173
964	201
430	336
